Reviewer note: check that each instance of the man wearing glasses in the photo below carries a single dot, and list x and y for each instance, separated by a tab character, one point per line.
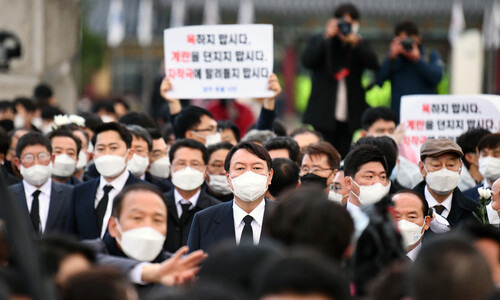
319	163
45	202
189	159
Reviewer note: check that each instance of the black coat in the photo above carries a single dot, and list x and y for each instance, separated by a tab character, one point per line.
461	206
325	58
177	231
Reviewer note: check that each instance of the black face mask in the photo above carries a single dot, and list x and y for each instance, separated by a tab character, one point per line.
314	179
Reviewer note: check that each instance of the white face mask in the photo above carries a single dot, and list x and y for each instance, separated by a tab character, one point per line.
188	179
19	121
37	122
143	243
489	167
90	147
218	183
213	139
160	167
335	197
37	174
110	165
442	181
410	232
137	165
249	186
64	166
82	161
370	194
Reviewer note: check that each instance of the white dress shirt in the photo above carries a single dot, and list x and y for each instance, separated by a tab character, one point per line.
493	217
414	252
433	202
258	219
117	185
360	219
180	200
43	199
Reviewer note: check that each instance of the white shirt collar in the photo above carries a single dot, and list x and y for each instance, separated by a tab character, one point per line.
193	200
414	252
257	213
118	183
44	189
433	202
486	185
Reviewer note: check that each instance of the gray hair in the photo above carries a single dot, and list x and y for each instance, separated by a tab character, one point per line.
258	136
141	133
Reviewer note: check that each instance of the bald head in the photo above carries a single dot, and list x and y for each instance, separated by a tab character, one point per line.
495	195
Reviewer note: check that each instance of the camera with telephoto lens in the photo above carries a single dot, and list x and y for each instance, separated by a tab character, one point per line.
10	47
407	44
344	27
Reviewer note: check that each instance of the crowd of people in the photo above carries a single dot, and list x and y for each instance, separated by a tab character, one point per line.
110	205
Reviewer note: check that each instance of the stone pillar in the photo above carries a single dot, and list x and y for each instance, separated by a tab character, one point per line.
49	31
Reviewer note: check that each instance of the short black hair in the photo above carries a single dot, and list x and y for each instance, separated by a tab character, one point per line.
136	118
441	262
284	142
302	272
42	92
253	148
91	120
188	143
122	102
141	133
478	231
407	27
384	143
4	142
27	103
373	114
285	176
5	105
279	127
425	206
118	200
188	119
62	132
228	124
361	155
113	126
49	112
222	145
322	148
154	133
490	141
468	141
299	211
31	139
349	9
105	105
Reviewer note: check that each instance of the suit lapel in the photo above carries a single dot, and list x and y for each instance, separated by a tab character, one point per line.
88	208
172	208
267	211
224	223
456	209
55	205
21	195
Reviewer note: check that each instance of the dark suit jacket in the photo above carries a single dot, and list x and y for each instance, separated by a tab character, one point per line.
215	225
473	193
461	206
82	220
60	197
177	232
164	184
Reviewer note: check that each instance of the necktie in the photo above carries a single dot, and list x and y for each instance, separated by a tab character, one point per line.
439	209
102	205
247	234
35	212
185	212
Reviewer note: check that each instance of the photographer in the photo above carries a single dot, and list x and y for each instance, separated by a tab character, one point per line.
407	67
337	59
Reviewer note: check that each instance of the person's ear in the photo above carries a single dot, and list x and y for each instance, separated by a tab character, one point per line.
270	177
422	169
427	222
363	133
348	183
17	163
113	228
471	158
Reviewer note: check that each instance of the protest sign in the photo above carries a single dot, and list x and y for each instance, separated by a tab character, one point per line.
446	116
219	61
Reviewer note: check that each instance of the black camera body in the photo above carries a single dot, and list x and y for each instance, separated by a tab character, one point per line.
407	44
10	47
344	27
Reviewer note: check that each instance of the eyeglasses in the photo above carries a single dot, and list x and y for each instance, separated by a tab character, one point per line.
315	170
183	164
29	159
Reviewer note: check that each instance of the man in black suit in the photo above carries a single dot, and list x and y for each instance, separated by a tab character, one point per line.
440	165
44	201
66	147
189	159
134	242
92	200
249	173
